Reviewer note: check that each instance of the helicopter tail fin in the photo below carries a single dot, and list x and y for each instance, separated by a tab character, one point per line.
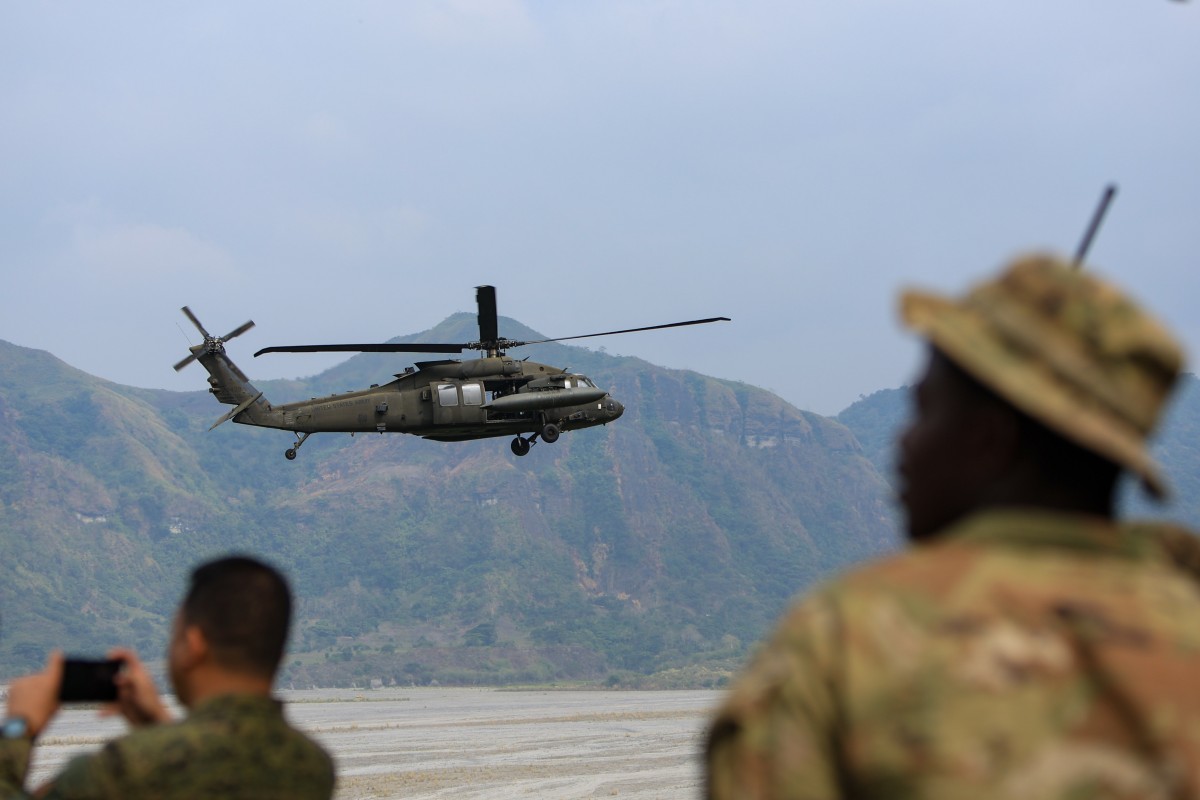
242	406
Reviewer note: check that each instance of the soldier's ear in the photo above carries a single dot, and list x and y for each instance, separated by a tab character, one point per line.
195	645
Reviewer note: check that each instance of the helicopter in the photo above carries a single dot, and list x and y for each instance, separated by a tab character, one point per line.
448	400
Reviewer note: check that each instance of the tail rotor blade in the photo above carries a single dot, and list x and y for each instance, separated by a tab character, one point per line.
188	312
211	343
238	331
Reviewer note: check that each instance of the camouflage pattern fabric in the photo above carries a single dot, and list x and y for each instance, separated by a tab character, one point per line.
1024	654
14	761
1065	347
233	746
1181	545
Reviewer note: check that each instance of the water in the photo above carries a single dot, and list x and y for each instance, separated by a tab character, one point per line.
468	743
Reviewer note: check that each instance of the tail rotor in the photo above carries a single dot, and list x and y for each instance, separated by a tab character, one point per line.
212	344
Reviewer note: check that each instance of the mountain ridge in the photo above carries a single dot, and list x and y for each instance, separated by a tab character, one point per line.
651	552
666	541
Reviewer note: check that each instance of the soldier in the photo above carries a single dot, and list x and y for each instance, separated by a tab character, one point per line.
1026	644
226	643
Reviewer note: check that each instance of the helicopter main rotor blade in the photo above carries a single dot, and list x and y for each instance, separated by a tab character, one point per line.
631	330
188	312
365	348
485	299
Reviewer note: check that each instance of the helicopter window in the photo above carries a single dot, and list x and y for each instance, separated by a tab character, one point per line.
472	394
568	383
447	394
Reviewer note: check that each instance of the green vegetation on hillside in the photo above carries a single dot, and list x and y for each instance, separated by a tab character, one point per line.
663	544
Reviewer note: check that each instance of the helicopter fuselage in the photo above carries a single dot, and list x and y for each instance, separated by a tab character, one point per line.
458	400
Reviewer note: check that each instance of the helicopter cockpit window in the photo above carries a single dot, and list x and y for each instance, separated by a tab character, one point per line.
472	394
447	394
568	383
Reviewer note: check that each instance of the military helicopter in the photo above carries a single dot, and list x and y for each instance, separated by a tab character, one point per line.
447	400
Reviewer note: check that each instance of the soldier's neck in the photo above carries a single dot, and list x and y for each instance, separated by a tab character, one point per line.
216	682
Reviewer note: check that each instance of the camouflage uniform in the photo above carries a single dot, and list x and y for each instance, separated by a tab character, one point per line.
1021	652
232	746
1024	654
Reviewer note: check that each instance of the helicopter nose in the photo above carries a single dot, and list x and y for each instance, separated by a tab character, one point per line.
615	409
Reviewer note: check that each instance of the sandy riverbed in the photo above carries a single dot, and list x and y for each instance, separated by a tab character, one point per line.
465	743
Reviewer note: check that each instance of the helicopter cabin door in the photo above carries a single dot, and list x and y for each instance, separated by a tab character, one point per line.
457	402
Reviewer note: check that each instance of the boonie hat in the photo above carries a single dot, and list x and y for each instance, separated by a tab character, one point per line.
1064	347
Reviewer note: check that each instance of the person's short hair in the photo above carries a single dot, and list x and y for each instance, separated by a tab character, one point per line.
243	607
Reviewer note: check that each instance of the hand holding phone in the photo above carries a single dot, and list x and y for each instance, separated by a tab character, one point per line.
138	700
35	697
85	681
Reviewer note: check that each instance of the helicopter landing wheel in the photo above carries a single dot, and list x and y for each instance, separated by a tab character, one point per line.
550	433
290	453
520	446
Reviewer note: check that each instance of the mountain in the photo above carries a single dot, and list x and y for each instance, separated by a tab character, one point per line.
663	544
876	420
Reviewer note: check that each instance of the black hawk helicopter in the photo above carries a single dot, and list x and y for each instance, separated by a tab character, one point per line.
447	401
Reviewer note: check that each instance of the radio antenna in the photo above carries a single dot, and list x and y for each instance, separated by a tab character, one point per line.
1094	225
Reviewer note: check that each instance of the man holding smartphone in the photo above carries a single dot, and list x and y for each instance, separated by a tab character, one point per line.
227	641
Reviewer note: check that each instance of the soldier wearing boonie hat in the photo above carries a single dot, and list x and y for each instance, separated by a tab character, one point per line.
1027	645
1064	347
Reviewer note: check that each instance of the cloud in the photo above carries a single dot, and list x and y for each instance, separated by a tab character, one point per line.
605	163
140	252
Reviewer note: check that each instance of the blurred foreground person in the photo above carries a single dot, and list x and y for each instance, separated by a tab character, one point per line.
226	643
1026	645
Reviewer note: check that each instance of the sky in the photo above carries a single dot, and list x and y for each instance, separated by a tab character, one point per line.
350	172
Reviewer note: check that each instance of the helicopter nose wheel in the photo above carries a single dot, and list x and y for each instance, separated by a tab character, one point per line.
549	434
290	453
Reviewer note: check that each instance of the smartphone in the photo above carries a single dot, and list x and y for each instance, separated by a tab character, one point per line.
89	681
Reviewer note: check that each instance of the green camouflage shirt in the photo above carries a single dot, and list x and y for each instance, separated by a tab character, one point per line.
233	746
1021	655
